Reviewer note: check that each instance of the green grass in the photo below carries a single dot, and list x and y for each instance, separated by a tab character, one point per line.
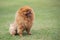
47	19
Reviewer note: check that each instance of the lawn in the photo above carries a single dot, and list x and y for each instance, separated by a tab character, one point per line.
46	24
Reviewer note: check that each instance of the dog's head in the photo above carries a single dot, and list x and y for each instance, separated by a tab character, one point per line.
26	11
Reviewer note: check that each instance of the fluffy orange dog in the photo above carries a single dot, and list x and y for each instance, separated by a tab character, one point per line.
24	19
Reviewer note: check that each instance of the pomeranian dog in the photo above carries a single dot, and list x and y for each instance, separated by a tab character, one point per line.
24	19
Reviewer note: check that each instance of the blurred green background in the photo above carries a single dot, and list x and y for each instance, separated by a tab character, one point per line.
47	19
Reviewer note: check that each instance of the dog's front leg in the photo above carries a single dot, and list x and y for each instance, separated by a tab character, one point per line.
20	30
